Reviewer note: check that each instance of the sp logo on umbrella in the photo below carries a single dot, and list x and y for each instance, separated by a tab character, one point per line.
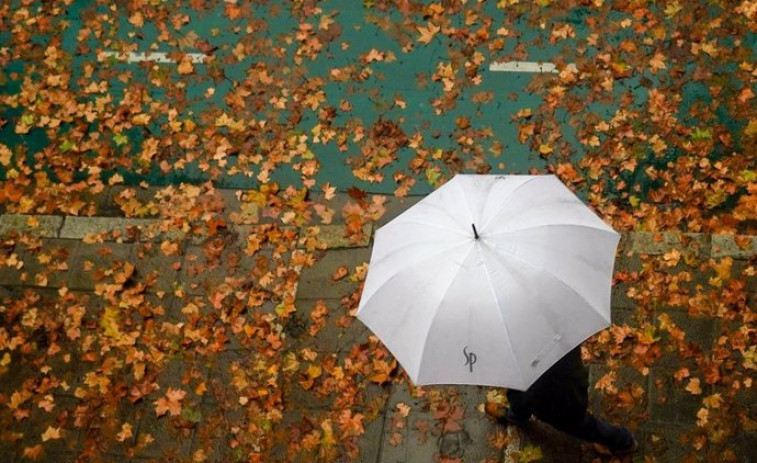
470	358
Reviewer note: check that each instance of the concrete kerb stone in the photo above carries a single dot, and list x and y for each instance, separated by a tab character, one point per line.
81	227
639	242
657	243
42	226
333	236
735	246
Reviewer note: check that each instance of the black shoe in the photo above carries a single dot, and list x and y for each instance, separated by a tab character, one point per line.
631	448
512	418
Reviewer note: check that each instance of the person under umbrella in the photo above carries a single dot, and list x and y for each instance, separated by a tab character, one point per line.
491	280
560	398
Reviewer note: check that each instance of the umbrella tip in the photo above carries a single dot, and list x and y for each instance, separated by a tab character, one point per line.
475	233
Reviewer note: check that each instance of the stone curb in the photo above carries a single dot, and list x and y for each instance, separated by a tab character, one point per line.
43	226
716	245
78	228
333	237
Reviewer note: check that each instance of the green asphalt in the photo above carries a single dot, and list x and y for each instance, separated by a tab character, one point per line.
408	78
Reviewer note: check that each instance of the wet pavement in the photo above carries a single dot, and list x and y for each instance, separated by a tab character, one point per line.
392	421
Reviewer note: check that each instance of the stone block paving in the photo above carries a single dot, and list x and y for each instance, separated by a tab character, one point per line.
398	424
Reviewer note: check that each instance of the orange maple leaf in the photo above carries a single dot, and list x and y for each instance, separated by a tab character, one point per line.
34	453
340	273
51	434
170	402
428	32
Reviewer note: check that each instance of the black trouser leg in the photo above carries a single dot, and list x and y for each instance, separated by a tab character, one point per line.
591	429
520	404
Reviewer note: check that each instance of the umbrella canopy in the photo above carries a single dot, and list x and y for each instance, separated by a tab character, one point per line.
489	280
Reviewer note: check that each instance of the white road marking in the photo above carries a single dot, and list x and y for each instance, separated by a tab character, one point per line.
158	57
527	66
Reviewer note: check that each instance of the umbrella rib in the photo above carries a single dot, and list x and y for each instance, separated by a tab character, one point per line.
545	225
435	225
433	319
508	195
424	259
467	201
558	279
440	208
504	323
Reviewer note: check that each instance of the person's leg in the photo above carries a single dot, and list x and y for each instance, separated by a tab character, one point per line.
591	429
520	409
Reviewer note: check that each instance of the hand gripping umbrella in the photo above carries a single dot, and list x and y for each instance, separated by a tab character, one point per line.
489	280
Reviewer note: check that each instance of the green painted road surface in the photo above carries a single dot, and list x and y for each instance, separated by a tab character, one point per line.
320	88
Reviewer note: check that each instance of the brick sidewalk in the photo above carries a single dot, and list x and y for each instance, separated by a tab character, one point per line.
399	424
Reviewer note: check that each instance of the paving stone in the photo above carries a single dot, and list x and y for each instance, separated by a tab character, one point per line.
43	226
232	204
111	228
699	338
244	212
396	206
666	443
744	447
316	281
94	263
296	395
336	203
419	436
729	246
628	407
670	403
170	438
224	259
329	337
370	442
554	445
33	427
11	262
214	434
477	427
296	424
157	270
47	265
224	370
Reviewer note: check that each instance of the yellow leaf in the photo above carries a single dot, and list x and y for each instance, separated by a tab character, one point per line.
110	320
51	433
530	453
693	387
5	155
314	371
713	401
702	417
751	128
673	9
126	432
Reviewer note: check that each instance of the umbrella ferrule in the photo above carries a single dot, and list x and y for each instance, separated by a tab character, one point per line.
475	232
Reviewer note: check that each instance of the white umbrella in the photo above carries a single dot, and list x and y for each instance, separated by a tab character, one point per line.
489	280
